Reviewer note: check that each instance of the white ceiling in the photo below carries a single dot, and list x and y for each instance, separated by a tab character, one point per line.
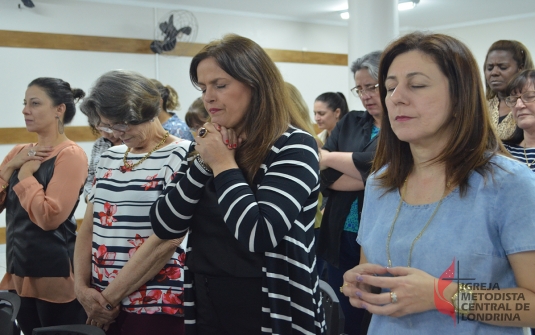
429	14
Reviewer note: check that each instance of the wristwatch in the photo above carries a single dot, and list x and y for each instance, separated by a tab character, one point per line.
462	300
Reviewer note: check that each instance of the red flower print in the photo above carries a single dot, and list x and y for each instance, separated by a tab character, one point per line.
137	242
107	174
182	259
172	272
152	183
111	276
94	181
145	297
172	299
102	258
106	218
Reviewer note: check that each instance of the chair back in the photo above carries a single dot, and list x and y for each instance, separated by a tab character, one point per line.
334	316
69	330
9	309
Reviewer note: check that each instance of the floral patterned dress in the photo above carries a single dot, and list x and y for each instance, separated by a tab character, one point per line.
121	224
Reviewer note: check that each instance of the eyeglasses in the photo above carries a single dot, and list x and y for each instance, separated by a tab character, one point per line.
122	127
368	90
526	97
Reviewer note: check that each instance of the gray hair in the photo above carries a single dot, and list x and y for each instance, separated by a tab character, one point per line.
122	96
370	62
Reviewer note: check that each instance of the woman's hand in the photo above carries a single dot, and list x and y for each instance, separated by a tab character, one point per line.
352	285
214	147
412	288
22	157
26	155
94	305
29	168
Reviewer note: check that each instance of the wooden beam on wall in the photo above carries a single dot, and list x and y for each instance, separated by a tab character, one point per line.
21	135
23	39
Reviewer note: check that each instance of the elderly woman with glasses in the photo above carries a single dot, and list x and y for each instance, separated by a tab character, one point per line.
346	162
126	278
521	99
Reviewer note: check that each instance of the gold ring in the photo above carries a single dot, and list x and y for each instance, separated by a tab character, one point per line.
342	287
393	297
202	132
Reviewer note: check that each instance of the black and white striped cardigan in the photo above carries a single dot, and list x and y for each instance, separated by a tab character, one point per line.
287	186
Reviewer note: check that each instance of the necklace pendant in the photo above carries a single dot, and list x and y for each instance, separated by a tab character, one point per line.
125	168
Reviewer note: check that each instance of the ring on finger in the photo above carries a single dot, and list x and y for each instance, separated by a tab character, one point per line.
31	152
393	297
342	287
202	132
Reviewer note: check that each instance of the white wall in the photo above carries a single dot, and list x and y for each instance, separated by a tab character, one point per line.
80	68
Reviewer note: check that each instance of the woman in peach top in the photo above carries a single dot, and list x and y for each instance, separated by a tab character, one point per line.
40	185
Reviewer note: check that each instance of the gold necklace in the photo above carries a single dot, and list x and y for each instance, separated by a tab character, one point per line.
129	167
421	232
526	158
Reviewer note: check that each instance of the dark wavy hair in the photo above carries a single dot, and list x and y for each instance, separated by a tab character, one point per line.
60	92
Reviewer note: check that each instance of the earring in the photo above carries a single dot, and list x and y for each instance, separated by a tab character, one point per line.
60	125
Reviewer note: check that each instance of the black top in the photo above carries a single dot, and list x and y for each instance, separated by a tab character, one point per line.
30	250
217	252
273	218
351	134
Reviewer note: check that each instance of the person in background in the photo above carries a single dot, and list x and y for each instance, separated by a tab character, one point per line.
521	99
40	185
128	280
346	162
196	115
505	58
442	203
103	143
329	108
249	199
169	120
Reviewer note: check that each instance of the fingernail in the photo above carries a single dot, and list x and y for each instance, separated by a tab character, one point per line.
359	294
229	146
235	145
360	279
108	307
364	306
226	141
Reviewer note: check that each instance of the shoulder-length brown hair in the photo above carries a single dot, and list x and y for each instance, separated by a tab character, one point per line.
473	142
269	113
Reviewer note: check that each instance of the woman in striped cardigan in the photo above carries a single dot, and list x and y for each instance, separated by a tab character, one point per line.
249	201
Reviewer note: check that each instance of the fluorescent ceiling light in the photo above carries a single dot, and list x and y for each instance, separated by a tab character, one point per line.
344	15
406	5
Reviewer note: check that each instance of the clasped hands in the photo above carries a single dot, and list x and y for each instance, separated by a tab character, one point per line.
99	311
216	146
410	290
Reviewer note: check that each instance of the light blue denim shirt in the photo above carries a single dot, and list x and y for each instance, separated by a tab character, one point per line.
495	218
